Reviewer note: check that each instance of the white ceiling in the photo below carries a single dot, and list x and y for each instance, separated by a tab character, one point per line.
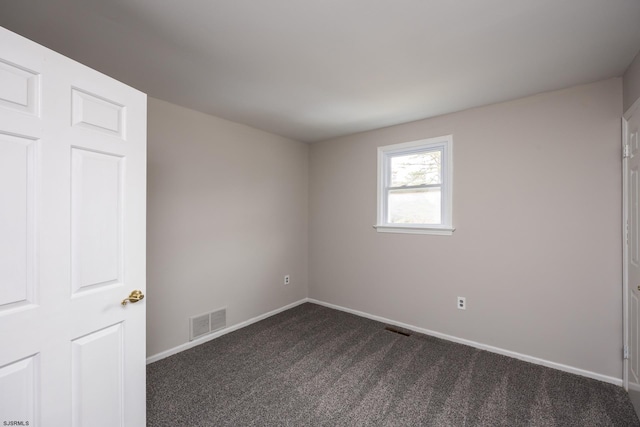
312	70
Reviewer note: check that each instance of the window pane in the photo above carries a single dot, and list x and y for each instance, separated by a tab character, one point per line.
417	206
416	169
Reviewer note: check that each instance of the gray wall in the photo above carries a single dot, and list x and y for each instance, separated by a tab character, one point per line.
227	219
631	83
537	250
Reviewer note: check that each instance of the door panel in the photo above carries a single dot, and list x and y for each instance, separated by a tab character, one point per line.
72	170
93	112
17	169
98	387
18	382
19	88
96	202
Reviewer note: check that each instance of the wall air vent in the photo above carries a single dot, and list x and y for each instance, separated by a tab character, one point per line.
207	323
218	319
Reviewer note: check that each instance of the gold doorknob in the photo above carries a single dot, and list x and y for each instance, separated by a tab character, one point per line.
134	297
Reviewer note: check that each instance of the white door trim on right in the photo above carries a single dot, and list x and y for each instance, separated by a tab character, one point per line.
625	259
625	244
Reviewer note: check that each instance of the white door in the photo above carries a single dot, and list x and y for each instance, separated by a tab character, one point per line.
72	242
632	255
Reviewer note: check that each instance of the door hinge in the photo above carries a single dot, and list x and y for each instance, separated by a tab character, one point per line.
625	352
626	152
627	233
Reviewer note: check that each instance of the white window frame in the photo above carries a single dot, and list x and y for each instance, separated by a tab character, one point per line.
385	153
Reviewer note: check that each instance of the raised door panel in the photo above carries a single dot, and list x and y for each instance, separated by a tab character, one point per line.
98	113
19	88
96	226
17	225
18	391
97	378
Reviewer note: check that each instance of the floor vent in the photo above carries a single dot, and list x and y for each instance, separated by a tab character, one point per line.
397	331
207	323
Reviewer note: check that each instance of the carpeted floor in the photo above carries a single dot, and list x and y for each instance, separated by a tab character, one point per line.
314	366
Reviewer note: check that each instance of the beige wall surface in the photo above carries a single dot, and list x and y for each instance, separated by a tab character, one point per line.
537	247
227	219
631	83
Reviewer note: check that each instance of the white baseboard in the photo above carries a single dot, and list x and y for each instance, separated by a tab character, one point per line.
198	341
492	349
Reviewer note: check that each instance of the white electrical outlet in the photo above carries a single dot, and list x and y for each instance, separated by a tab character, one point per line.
287	279
462	303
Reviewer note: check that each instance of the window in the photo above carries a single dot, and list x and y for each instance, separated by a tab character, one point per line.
415	187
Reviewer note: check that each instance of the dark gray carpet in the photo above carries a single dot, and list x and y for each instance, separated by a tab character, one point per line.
314	366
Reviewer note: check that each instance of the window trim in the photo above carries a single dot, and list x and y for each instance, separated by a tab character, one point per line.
444	143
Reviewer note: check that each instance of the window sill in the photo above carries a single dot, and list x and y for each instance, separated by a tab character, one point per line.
415	229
